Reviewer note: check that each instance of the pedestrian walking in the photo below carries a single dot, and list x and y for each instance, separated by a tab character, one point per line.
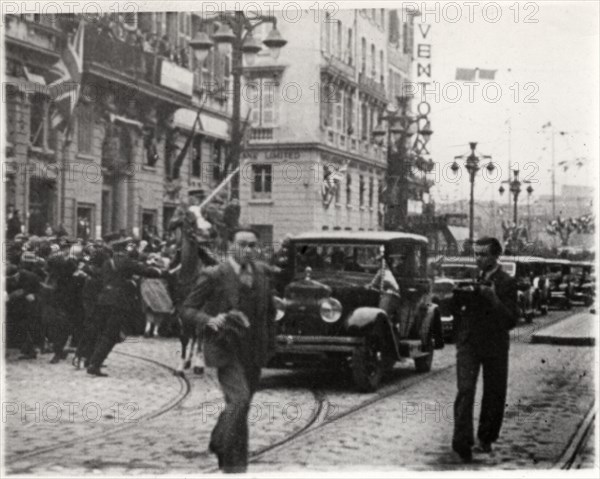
234	303
482	319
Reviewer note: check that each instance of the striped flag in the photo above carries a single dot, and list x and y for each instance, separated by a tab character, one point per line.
547	124
466	74
64	92
487	74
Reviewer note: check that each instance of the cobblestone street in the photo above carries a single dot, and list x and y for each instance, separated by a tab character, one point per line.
144	420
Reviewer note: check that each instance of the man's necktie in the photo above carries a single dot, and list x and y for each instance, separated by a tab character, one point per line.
246	276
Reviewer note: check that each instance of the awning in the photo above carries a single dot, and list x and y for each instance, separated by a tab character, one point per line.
209	125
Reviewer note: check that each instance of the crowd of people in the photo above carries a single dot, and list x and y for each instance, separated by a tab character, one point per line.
59	288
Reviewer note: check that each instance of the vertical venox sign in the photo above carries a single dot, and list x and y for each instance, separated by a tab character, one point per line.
422	68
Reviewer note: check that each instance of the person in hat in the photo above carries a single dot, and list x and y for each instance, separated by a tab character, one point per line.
235	296
117	303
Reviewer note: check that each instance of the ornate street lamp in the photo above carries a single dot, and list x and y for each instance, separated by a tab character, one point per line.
472	166
235	35
515	189
402	152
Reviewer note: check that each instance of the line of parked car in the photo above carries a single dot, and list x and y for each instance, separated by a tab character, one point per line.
358	302
542	283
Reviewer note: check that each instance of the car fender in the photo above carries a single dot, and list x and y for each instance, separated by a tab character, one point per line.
364	317
428	313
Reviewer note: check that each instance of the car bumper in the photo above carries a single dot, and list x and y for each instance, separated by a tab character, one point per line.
316	344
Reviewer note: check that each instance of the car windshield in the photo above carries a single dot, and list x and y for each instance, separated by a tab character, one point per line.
459	271
322	257
443	288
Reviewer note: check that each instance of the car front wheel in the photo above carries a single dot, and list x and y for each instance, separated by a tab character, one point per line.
369	362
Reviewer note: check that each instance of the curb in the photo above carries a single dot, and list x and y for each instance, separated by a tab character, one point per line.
563	341
577	441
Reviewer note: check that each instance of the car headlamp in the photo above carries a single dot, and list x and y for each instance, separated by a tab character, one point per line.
330	310
279	308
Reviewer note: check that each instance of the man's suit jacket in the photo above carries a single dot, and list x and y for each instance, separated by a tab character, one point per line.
218	290
120	290
483	326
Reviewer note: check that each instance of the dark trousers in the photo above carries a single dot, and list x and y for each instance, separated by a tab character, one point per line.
229	438
90	333
495	376
110	334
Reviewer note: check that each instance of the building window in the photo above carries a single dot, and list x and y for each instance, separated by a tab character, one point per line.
197	157
363	56
327	37
263	178
371	192
338	49
339	111
85	128
261	94
361	190
349	112
364	118
349	48
373	62
381	70
348	189
37	123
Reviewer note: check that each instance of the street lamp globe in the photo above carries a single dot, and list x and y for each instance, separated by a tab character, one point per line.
250	48
224	34
275	42
201	45
490	167
501	190
529	190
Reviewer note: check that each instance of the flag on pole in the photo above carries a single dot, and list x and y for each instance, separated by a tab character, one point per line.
65	91
332	179
183	153
547	124
487	74
466	74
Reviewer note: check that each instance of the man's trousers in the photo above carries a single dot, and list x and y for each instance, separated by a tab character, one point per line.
495	375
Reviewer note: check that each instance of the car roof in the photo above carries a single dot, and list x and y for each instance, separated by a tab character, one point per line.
557	261
522	259
375	236
458	260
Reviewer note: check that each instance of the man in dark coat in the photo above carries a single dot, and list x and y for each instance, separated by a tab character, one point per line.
482	320
23	316
233	302
117	302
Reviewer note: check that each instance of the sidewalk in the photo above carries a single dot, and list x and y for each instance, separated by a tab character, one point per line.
577	330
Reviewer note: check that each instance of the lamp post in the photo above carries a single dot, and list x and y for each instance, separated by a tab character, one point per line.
472	166
515	189
529	192
402	153
235	35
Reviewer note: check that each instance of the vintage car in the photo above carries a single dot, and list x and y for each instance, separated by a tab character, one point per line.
530	274
559	283
357	300
583	281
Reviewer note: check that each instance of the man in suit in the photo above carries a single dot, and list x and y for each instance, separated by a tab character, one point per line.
225	299
482	324
117	302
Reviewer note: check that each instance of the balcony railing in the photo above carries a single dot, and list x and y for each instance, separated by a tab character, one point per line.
336	67
35	33
261	134
121	57
371	86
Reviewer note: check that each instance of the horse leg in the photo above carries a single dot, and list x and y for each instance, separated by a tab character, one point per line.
147	331
198	357
184	339
190	352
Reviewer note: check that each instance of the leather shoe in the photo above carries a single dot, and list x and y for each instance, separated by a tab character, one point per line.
485	447
96	372
465	453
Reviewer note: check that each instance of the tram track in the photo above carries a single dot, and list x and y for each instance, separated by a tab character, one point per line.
184	390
